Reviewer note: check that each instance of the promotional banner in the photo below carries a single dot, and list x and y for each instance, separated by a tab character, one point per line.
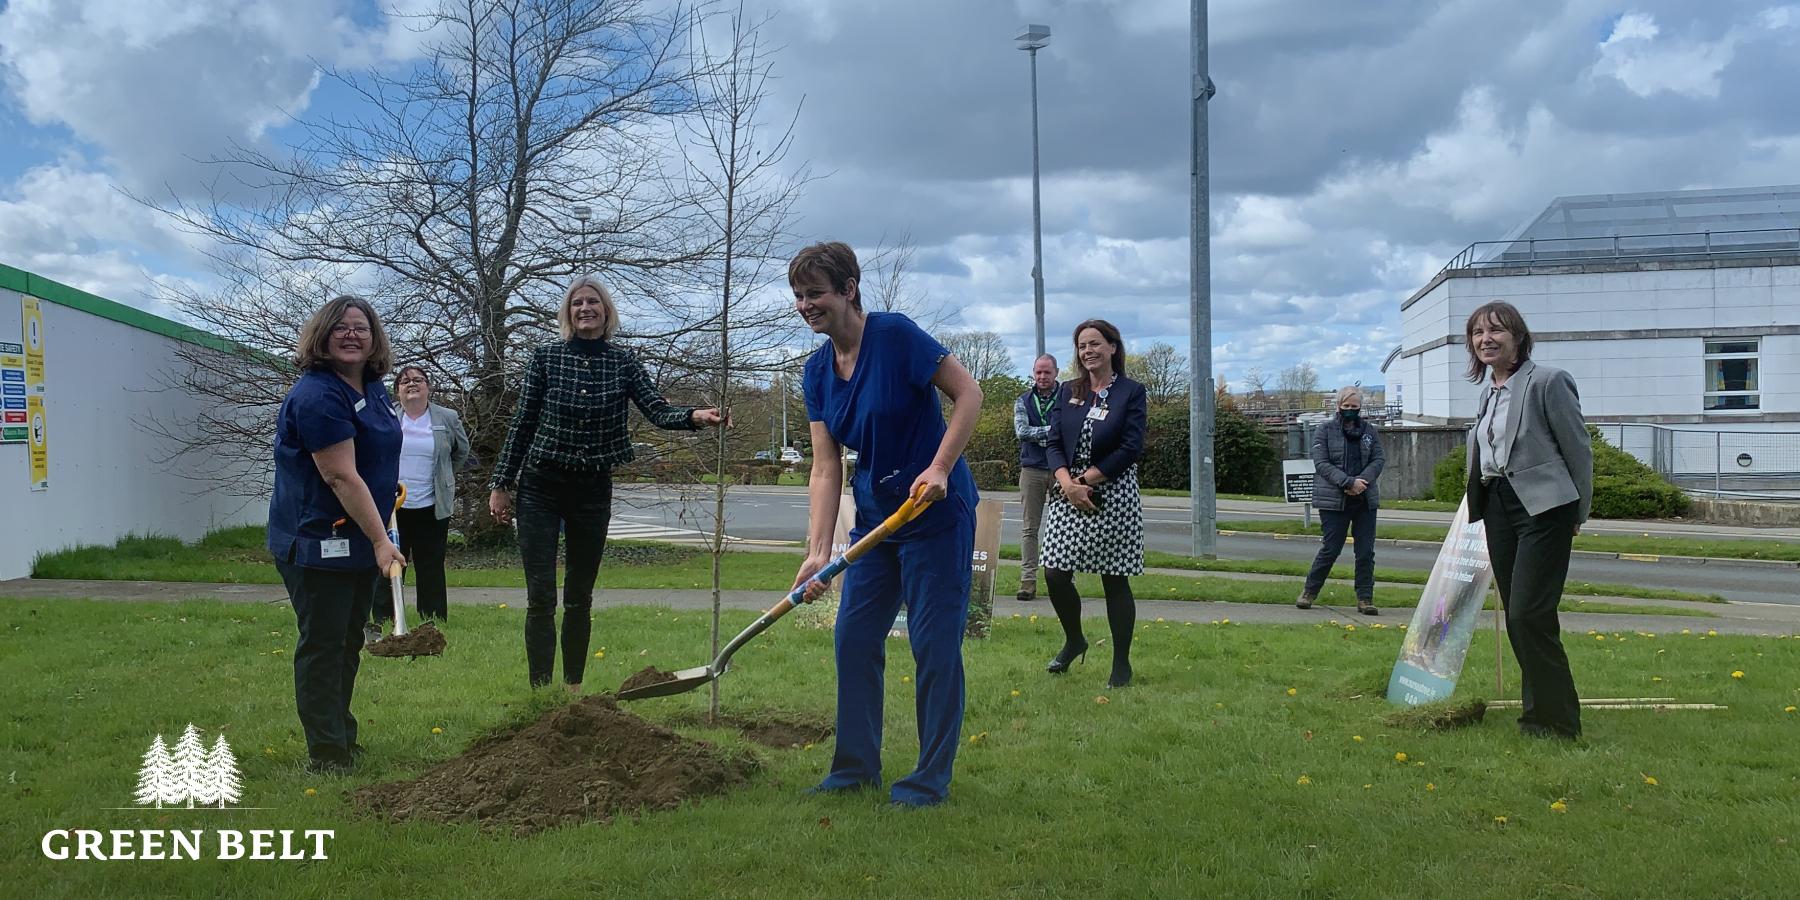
33	330
1431	658
40	444
985	565
15	422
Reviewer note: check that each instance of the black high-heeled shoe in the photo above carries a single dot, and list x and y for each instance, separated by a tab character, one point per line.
1067	655
1119	677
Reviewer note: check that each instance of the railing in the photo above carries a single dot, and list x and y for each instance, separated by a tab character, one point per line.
1758	464
1698	244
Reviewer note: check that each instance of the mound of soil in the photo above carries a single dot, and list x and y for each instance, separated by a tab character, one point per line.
1438	716
588	761
776	730
424	640
646	677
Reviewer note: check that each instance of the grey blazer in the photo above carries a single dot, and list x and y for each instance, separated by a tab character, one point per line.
1551	460
1328	448
450	452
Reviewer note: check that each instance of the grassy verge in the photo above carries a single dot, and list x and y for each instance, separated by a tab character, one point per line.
1285	721
236	556
1648	545
1415	505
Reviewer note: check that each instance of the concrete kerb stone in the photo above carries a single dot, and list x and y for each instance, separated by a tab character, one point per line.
1585	554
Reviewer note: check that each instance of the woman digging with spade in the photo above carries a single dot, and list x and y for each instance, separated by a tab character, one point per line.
568	433
873	388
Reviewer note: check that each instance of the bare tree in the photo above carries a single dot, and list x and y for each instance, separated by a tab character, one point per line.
1297	384
1163	372
1256	387
530	145
889	285
983	353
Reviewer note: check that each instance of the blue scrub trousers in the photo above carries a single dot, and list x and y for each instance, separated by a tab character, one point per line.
930	575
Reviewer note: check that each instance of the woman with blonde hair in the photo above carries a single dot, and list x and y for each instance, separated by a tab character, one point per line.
1347	460
337	463
566	436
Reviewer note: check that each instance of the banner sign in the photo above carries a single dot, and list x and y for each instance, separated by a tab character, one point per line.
984	565
1436	642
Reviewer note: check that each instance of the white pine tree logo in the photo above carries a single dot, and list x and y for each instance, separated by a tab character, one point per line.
191	774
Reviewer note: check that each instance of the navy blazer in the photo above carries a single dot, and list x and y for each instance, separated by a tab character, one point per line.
1118	441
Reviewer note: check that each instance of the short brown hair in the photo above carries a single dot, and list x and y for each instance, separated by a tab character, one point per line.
565	322
833	261
1111	333
1506	316
314	350
401	373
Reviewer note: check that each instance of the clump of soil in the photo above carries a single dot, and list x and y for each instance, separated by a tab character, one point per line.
1438	716
646	677
587	761
424	640
776	730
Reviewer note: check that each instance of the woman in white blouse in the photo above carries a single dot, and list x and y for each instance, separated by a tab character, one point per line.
433	447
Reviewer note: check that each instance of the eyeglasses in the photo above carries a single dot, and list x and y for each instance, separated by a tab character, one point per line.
413	380
341	329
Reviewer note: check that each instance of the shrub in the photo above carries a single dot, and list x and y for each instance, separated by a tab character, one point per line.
1242	452
1624	488
991	475
994	441
1447	476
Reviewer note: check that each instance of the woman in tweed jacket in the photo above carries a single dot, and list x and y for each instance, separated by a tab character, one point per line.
568	433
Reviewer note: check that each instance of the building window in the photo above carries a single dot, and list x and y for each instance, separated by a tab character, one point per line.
1731	375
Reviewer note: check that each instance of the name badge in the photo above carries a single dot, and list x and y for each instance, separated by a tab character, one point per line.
1098	414
334	548
360	404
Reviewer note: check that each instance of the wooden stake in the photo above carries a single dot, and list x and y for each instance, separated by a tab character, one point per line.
1499	660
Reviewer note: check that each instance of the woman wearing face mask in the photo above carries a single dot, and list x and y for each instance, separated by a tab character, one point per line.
1347	457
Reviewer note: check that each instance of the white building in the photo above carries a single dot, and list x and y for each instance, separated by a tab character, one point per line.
1677	313
104	377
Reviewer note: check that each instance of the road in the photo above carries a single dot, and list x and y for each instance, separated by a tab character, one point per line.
777	514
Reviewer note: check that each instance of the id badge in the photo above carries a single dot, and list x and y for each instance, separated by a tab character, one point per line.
1098	414
360	404
334	548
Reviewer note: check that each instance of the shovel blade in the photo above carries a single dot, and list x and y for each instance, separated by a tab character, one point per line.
684	681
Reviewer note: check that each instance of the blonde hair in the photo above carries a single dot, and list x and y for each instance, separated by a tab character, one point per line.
314	349
565	324
1348	389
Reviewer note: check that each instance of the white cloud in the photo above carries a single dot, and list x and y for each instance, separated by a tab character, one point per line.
1646	66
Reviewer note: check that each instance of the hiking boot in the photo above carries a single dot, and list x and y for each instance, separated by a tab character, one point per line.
1304	601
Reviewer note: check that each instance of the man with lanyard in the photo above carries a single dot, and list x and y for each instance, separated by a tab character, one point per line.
1031	423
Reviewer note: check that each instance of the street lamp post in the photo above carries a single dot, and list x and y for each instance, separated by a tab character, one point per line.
582	213
1031	40
1204	504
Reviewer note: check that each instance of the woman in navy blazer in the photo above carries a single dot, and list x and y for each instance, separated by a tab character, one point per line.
1094	521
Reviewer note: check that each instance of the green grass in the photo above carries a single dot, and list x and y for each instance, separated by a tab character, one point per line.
236	556
1185	785
1415	505
1787	551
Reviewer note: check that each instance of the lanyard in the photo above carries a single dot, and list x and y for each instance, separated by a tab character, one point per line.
1043	407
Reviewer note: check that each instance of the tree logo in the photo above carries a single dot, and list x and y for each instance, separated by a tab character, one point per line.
191	774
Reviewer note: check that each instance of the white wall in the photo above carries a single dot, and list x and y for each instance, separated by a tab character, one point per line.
1618	377
101	379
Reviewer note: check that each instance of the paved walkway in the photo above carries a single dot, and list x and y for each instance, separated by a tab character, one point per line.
1734	618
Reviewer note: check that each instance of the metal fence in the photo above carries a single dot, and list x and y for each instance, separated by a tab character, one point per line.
1611	248
1744	464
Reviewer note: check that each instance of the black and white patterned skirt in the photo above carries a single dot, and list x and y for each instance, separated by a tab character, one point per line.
1108	542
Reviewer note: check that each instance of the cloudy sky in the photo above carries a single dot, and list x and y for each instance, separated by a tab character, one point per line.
1356	146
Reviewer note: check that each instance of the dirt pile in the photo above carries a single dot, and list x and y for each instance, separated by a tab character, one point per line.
588	761
424	640
782	731
645	677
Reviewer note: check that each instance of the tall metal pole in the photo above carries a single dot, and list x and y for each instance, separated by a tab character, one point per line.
1200	393
1037	220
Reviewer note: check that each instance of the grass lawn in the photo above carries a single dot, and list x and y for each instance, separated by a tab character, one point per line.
1606	543
1415	505
236	556
1344	572
1246	762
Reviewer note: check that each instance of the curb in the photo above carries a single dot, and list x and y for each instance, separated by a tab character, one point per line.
1584	554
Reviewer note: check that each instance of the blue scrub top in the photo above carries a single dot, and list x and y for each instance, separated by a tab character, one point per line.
321	410
888	412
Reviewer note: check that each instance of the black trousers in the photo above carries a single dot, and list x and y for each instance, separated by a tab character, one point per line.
330	605
1530	556
579	504
1334	526
1121	612
422	539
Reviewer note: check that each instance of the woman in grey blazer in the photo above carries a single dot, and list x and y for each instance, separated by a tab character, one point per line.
1531	483
433	447
1347	459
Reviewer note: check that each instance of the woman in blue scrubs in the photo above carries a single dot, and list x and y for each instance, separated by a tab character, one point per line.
873	388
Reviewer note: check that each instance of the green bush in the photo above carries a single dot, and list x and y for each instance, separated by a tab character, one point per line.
1242	452
1624	488
1165	461
994	441
1447	482
991	474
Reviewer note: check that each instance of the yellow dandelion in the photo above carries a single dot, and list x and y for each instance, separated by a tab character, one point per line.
1400	757
1293	691
1592	632
1685	631
1101	699
906	679
1788	709
1159	620
977	738
1430	787
1357	738
1218	706
599	654
1499	820
1599	637
437	731
1349	627
1559	806
1015	692
1738	674
1224	621
1303	780
269	751
1649	779
1367	786
1034	617
1403	628
502	606
1656	678
1711	633
808	747
311	792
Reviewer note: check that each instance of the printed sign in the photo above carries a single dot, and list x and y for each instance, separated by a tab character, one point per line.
1297	480
34	343
983	567
1436	642
40	444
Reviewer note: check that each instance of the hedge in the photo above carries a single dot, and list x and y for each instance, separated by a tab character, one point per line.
1242	452
991	474
1624	488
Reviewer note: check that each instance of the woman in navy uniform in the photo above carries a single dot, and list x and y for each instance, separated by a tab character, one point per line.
873	388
